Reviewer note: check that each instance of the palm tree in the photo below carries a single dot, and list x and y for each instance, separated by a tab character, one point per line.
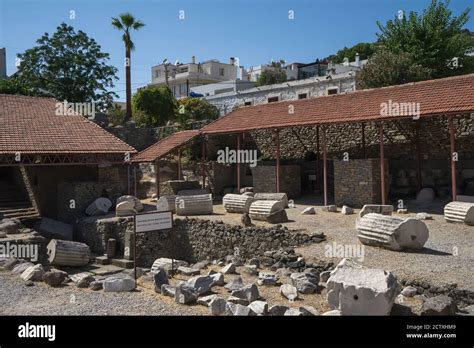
125	22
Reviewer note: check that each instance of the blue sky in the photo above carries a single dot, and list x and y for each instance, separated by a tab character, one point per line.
255	31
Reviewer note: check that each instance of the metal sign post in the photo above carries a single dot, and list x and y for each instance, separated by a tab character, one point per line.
148	222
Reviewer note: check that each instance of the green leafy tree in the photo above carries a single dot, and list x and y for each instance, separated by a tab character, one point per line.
125	23
68	65
434	39
364	49
273	74
386	68
116	115
14	86
194	109
154	106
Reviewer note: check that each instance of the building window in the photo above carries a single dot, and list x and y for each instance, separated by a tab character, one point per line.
248	103
272	99
157	73
221	71
302	95
332	91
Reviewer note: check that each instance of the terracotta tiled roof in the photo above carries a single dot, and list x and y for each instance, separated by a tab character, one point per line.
165	146
30	125
448	95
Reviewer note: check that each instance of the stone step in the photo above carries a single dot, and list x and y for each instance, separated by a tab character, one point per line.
124	263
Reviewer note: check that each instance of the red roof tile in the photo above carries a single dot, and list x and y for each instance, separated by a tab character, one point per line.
165	146
448	95
30	125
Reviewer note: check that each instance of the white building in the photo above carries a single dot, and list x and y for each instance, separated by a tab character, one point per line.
182	77
290	90
222	87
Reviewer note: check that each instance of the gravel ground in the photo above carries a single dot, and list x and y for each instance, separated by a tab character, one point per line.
40	299
437	263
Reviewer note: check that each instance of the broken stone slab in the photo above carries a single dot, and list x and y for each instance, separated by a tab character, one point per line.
376	208
235	284
96	285
324	276
166	264
439	305
202	284
11	263
187	271
234	203
201	264
248	292
278	310
308	211
332	313
391	232
160	277
306	283
206	300
113	284
228	269
10	226
329	208
235	260
265	278
426	194
356	290
19	268
193	192
55	278
168	290
82	280
261	209
137	205
185	294
55	229
282	197
469	311
423	216
166	203
217	279
125	208
247	189
289	291
238	310
402	211
347	210
251	269
194	205
409	291
259	307
100	206
308	311
277	217
33	273
238	300
459	212
217	306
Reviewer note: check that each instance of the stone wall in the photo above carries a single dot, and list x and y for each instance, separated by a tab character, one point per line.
264	179
111	183
357	182
191	239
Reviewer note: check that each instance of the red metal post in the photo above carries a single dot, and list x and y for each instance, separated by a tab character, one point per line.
238	163
452	138
418	155
277	145
363	140
325	167
179	164
382	165
135	180
157	179
317	183
129	189
203	159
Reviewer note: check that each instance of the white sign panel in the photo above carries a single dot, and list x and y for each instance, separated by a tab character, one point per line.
153	221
